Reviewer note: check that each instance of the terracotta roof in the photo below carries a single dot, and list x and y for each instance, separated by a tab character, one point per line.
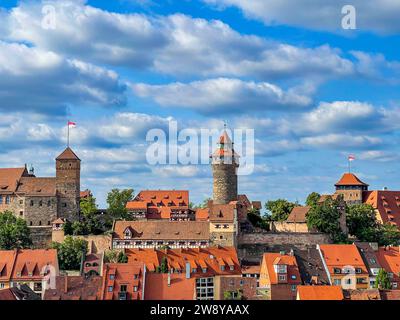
202	214
30	263
163	230
389	259
224	138
33	186
226	147
75	288
341	255
68	154
136	205
7	261
363	294
222	212
7	295
270	259
117	275
350	179
387	203
217	260
251	269
85	194
9	178
180	288
59	221
311	267
320	293
298	214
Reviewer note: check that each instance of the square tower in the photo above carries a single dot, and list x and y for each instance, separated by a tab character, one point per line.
68	176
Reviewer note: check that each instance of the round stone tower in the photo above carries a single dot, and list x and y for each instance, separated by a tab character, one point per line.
225	163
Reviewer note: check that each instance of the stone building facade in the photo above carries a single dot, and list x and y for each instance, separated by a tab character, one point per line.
39	200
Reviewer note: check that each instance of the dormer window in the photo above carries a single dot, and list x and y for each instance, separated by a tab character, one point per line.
127	233
336	270
280	268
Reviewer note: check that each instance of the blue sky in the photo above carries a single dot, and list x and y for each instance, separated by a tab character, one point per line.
312	92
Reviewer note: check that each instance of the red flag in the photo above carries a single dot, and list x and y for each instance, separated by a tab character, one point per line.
71	124
351	157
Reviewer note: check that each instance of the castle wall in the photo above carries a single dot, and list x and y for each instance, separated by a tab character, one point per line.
283	226
41	236
251	246
40	211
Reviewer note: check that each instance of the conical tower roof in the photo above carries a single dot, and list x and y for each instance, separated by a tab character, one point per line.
68	154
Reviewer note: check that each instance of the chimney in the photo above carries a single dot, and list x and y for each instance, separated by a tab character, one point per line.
169	279
187	270
65	284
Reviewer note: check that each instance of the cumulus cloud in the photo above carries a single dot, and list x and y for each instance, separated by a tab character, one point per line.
223	95
32	79
175	44
380	16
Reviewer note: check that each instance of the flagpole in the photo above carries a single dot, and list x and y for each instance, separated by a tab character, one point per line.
68	134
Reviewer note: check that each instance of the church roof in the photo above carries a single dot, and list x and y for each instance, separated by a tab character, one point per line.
350	179
67	154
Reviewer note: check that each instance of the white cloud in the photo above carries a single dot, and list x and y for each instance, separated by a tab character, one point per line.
340	141
380	16
32	79
223	95
175	44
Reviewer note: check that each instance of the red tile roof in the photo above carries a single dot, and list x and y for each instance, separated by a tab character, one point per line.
298	214
163	230
218	261
270	259
29	264
180	288
222	212
387	203
362	294
350	179
75	288
389	259
320	293
7	295
251	269
202	214
341	255
116	276
7	261
33	186
67	154
9	178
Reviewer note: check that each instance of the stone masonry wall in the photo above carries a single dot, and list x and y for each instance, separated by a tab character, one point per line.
41	237
224	183
251	246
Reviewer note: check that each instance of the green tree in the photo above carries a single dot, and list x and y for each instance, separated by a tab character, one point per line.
68	230
70	252
163	267
382	280
117	200
312	199
325	218
88	207
361	222
14	233
256	220
79	228
122	257
279	209
388	235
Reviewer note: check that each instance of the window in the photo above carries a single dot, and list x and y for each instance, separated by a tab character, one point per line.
40	223
21	213
110	288
37	286
135	288
394	285
135	276
194	270
348	281
282	277
337	282
1	199
49	203
222	268
231	268
204	270
112	276
293	277
20	201
40	203
123	288
31	203
2	285
336	270
64	204
372	260
8	200
293	287
358	270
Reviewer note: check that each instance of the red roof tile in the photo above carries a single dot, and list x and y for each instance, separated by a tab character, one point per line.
68	154
320	293
180	288
270	259
350	179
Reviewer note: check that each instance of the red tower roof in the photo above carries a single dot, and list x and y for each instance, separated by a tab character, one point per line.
349	179
68	154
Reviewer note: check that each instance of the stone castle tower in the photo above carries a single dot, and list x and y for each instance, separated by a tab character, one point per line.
68	176
351	188
225	163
